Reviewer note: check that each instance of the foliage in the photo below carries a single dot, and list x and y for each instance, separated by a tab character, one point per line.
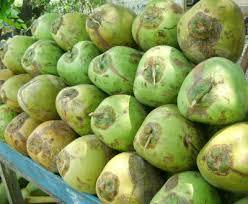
9	15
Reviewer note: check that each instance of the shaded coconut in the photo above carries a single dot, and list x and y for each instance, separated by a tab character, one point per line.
42	58
116	121
212	28
114	71
13	50
185	188
110	25
47	140
215	92
37	97
160	75
10	88
74	104
168	141
73	65
81	162
223	160
127	178
41	27
157	24
18	131
4	75
6	116
69	29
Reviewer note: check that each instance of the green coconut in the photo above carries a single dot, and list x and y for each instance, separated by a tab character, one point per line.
168	141
13	50
115	70
69	29
187	187
81	162
41	27
37	97
116	121
47	140
127	178
215	92
212	28
111	25
160	75
157	24
73	65
9	90
4	75
222	161
18	131
6	116
42	58
74	104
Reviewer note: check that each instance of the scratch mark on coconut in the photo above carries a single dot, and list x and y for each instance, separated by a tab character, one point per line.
150	135
171	183
63	162
108	186
57	24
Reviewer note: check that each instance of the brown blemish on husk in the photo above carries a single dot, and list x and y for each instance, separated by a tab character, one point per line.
154	69
67	95
136	169
71	55
15	126
171	183
95	144
204	33
57	24
108	186
94	22
152	17
176	8
219	159
175	198
135	58
35	143
104	118
150	135
187	142
63	162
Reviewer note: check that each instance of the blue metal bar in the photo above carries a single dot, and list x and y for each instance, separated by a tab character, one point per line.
47	181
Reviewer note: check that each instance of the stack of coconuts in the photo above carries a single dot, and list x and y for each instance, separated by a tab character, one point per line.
136	109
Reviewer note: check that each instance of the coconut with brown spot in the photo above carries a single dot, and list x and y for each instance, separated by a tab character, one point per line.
186	188
168	141
116	121
127	178
47	140
223	161
41	27
18	131
74	104
13	50
4	75
73	66
215	92
114	71
37	97
6	116
10	88
69	29
160	75
42	58
111	25
212	28
81	162
157	24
